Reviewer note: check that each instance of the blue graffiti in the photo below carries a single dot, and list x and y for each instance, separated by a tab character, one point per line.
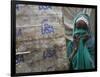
49	53
19	59
18	32
17	7
43	7
46	29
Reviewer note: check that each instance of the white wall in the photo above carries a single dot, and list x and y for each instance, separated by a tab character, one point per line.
5	28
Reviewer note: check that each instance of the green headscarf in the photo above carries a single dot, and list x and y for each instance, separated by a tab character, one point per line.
75	30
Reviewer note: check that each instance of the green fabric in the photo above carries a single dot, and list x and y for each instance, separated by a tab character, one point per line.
75	19
82	59
79	31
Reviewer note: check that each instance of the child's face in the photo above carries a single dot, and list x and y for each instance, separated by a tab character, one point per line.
81	25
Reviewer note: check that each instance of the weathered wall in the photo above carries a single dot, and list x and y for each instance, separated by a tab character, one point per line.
40	31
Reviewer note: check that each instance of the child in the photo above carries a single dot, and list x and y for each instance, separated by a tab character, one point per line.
81	50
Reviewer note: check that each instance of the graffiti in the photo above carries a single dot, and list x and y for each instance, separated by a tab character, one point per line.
17	7
43	7
46	28
49	53
19	59
19	32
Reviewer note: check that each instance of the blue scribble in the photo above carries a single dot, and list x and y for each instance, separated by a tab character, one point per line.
19	59
17	7
49	53
46	29
43	7
18	32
